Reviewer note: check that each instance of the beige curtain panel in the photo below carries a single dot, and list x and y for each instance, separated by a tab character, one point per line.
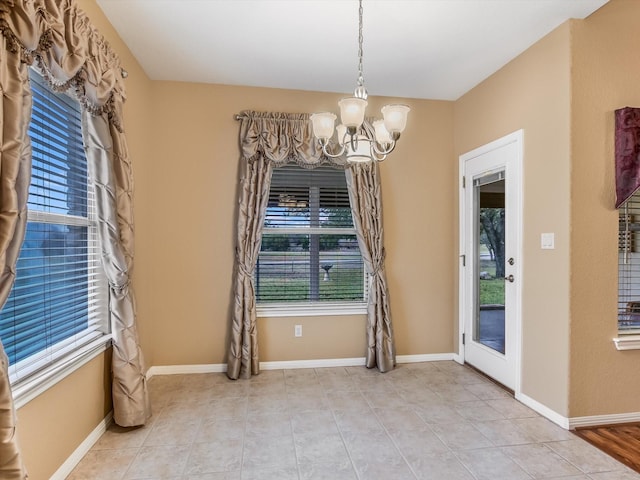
15	176
59	38
254	187
363	181
267	140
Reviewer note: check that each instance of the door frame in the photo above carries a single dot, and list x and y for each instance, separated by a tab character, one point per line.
516	169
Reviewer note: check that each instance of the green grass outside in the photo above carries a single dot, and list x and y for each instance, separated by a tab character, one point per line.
344	285
491	291
296	290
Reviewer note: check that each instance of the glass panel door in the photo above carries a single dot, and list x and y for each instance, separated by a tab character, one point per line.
489	208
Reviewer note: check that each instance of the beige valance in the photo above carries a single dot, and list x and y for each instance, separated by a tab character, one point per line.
281	138
68	50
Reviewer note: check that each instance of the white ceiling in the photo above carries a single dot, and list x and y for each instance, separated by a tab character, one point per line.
437	49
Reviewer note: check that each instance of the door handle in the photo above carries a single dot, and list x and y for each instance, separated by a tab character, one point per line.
509	278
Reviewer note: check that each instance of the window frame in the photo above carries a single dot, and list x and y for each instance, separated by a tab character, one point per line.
31	376
313	308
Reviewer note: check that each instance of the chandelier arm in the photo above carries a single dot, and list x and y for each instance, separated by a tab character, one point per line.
383	151
325	144
377	156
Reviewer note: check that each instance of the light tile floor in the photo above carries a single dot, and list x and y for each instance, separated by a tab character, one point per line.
435	421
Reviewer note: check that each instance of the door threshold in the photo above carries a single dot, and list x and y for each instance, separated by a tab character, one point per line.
492	380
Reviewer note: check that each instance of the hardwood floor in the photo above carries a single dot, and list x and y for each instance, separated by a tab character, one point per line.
620	441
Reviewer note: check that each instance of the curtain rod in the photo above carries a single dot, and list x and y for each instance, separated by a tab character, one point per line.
237	116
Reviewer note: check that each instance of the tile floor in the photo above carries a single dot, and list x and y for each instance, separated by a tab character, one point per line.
436	421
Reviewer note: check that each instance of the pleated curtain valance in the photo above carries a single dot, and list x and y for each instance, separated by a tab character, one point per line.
68	50
281	138
627	153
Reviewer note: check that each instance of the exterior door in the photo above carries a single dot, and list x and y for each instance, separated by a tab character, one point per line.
490	278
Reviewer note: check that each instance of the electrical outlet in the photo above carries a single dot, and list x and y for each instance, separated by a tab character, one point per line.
297	331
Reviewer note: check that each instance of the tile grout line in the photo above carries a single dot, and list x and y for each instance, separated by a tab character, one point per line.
335	420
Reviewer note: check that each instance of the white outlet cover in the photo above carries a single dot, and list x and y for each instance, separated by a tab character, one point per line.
547	241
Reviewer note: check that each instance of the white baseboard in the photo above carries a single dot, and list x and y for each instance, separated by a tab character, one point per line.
612	419
292	364
576	422
67	467
427	357
186	369
543	410
320	363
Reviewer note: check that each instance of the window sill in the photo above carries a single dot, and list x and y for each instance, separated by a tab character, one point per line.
311	310
627	342
26	390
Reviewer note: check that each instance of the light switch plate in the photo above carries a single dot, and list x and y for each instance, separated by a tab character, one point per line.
547	241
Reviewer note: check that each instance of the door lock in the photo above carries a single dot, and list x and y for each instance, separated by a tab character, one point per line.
509	278
511	261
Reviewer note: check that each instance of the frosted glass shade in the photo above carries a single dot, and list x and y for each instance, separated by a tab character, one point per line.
382	134
341	130
395	117
352	111
323	125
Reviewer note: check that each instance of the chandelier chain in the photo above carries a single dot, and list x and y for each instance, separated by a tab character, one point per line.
360	74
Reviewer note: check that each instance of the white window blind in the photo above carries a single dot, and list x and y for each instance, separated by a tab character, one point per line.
629	266
58	304
309	250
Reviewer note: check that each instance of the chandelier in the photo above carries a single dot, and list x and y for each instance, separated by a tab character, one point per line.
358	140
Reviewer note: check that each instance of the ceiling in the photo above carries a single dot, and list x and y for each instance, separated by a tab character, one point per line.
437	49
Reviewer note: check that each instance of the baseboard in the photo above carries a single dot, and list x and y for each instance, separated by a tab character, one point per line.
543	410
186	369
427	357
598	420
67	467
320	363
293	364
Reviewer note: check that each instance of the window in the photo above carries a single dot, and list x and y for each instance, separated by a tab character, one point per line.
309	253
57	310
629	266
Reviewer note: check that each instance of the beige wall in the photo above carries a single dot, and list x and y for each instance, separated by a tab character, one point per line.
606	76
193	185
53	425
533	93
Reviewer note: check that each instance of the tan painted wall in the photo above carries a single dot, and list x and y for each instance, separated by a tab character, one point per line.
193	183
533	93
54	424
606	76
